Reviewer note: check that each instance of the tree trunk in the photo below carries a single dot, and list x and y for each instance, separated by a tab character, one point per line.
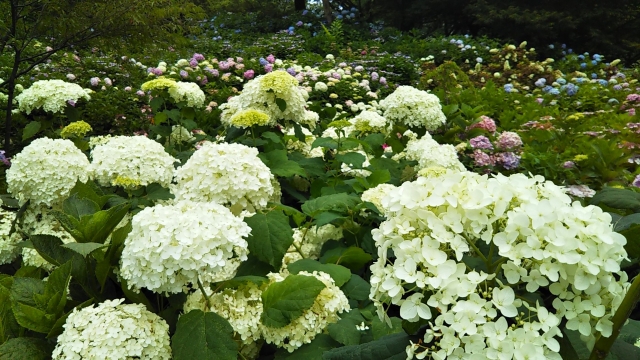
300	5
327	11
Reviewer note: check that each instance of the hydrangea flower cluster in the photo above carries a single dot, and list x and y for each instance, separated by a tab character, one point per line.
77	129
180	135
242	307
368	122
227	174
51	96
376	194
428	152
293	144
113	330
263	92
492	151
8	249
248	118
160	83
171	247
310	242
46	170
529	235
313	321
412	107
133	157
188	92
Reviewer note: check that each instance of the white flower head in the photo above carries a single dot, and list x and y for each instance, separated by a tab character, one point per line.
412	107
51	96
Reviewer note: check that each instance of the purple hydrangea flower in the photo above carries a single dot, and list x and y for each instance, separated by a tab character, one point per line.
481	142
94	81
184	74
4	159
383	80
198	57
193	63
636	181
569	165
291	71
375	76
223	65
263	61
508	160
299	23
481	159
268	68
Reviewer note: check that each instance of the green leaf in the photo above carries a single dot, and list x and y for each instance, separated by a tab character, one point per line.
626	222
380	328
352	159
282	105
26	348
340	274
30	130
339	203
84	249
390	347
280	165
135	297
32	318
271	236
618	199
377	177
254	267
287	300
90	191
9	327
311	351
344	331
97	227
326	218
56	288
328	143
270	135
353	258
297	130
356	288
158	192
77	207
297	216
201	335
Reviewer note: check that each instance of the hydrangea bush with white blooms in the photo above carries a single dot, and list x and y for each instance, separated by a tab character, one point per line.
51	96
296	226
527	233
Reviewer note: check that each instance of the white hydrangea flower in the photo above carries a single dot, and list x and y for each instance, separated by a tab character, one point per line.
375	194
8	249
180	135
370	122
51	96
261	94
228	174
170	247
39	220
137	158
242	307
545	241
313	321
310	242
188	92
412	107
310	119
112	330
428	153
46	170
99	140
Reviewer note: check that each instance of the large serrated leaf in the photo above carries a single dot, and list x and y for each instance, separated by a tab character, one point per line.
271	236
353	258
390	347
84	249
201	335
338	273
618	199
287	300
30	130
78	207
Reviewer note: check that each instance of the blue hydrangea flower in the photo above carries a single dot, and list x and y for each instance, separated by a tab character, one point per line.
547	88
594	75
263	61
541	82
561	81
603	82
554	91
508	88
583	65
594	62
571	89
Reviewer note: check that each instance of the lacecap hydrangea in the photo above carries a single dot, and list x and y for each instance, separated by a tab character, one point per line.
412	107
137	158
113	330
46	170
52	96
228	174
528	235
268	93
171	247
